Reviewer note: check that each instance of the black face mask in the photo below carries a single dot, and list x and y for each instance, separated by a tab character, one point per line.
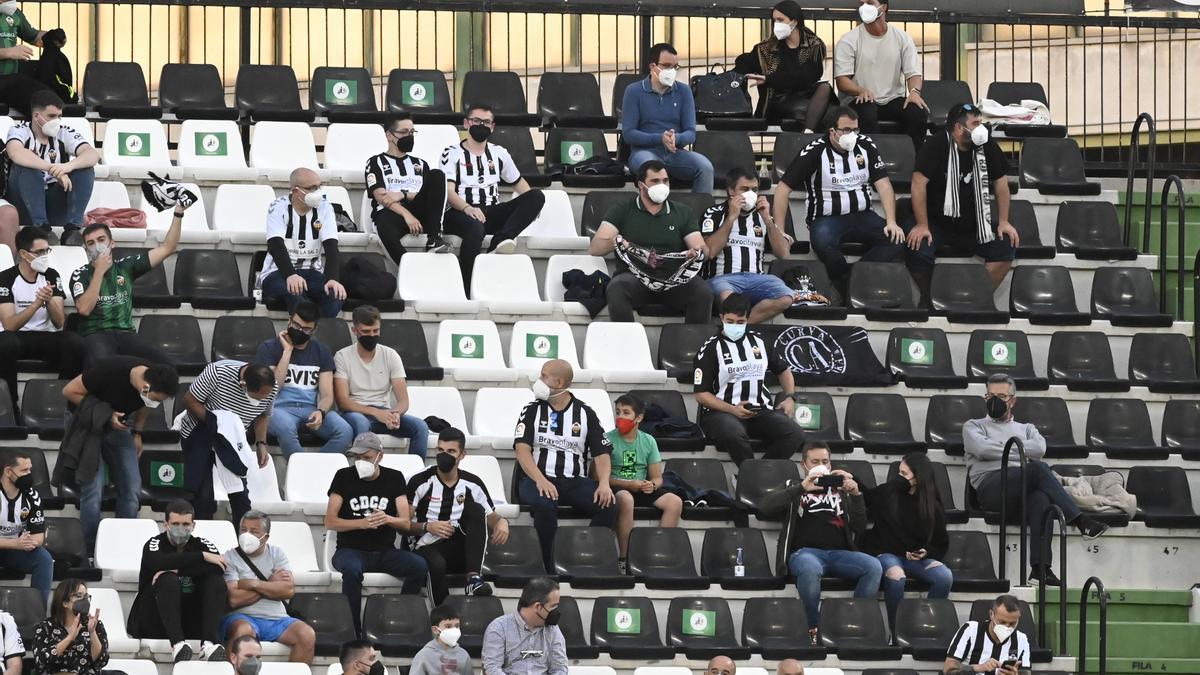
297	336
82	607
376	668
368	342
24	483
552	616
901	483
406	143
445	462
997	408
480	133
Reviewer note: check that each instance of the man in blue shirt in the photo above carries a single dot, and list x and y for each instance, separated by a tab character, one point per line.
659	119
304	374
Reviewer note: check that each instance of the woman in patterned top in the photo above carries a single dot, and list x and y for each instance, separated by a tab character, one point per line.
72	639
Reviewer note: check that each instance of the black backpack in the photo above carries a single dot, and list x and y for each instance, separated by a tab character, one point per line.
365	280
53	69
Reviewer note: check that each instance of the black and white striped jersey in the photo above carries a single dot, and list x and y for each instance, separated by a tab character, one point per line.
736	371
477	178
219	387
433	500
563	442
394	174
20	514
973	645
837	183
743	253
303	234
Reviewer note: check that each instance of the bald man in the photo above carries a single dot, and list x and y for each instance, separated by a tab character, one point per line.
557	437
302	248
721	665
790	667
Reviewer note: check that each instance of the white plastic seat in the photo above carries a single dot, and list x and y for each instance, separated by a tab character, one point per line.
296	539
278	148
349	146
508	285
6	258
119	544
661	670
308	478
339	195
443	402
552	288
470	350
130	666
409	465
108	601
335	668
535	342
107	194
487	468
195	220
84	127
496	413
264	490
432	139
200	667
134	147
591	670
220	532
599	401
433	283
65	260
554	228
212	150
619	352
6	123
240	212
284	668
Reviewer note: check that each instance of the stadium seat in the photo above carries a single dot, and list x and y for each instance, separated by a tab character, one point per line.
572	100
128	666
596	204
475	613
519	143
307	482
195	229
334	334
1181	428
409	465
238	337
661	558
1163	496
1090	231
296	539
26	607
925	627
1120	428
970	556
210	280
85	129
570	622
240	212
1049	414
535	342
587	558
117	89
343	95
553	289
514	563
1125	296
944	419
1003	351
193	91
330	617
1022	217
424	94
9	428
443	402
119	544
1045	296
1163	362
620	353
496	408
1012	93
899	158
64	541
43	408
1054	166
702	473
1082	360
620	84
190	667
397	624
718	556
1027	624
883	292
626	627
787	146
726	150
758	477
278	148
487	469
673	405
41	480
963	293
220	532
108	601
470	349
702	628
179	336
861	469
432	139
879	424
270	93
407	337
504	91
854	628
554	228
941	96
941	478
677	347
922	359
272	667
150	291
818	280
212	150
6	259
133	147
568	147
589	670
112	194
370	259
163	476
349	146
447	296
773	626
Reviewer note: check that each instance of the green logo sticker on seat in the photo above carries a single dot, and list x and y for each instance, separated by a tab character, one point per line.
341	92
574	152
133	144
699	622
466	346
808	416
919	352
417	93
166	474
624	621
541	346
997	353
211	144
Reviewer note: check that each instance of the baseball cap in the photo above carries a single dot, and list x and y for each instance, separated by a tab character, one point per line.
365	442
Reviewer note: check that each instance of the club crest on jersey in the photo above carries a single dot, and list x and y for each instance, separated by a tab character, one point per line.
758	231
461	498
417	168
491	166
51	154
757	352
576	428
316	225
860	160
120	281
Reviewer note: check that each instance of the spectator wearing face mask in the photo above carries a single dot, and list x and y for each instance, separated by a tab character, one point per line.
302	248
359	657
23	523
72	639
787	69
995	647
16	88
407	197
658	120
652	222
370	388
442	655
181	589
368	507
528	641
245	655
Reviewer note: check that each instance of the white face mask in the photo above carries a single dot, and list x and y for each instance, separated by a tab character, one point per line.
364	468
750	200
734	331
1002	632
667	76
40	264
819	470
782	30
848	141
658	193
147	401
450	636
980	135
51	127
249	543
868	13
8	8
96	251
313	199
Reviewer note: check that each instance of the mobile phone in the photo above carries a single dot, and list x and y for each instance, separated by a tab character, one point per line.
1012	663
833	480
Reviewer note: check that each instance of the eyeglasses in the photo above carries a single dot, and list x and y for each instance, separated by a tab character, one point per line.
1002	397
310	188
846	130
302	329
668	65
480	120
81	596
405	132
41	252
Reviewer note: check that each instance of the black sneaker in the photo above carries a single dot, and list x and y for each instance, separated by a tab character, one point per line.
48	234
1044	576
435	244
1091	528
181	652
71	236
478	587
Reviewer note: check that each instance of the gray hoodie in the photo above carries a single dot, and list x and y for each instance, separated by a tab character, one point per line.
984	439
438	659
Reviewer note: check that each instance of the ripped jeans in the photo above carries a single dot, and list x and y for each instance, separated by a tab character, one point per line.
938	576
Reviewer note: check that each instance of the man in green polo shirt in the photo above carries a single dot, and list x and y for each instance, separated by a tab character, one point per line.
652	221
15	88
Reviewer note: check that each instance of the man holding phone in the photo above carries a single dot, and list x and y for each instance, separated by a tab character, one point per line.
995	647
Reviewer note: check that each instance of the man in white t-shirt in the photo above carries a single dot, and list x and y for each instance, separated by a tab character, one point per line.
369	386
879	75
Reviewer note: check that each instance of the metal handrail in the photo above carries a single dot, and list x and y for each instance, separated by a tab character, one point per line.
1054	514
1008	446
1102	596
1168	183
1196	308
1135	137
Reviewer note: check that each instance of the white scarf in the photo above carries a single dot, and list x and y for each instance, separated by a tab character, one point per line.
951	206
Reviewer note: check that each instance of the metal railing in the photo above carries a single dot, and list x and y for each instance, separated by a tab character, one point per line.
1054	514
1013	442
1170	182
1135	137
1102	596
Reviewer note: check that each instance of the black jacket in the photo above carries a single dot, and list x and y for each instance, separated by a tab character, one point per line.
80	450
158	555
897	527
791	499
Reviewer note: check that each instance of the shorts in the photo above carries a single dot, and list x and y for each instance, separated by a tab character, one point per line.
756	287
265	629
641	499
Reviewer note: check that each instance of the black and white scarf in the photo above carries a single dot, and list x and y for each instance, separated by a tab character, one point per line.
952	208
658	271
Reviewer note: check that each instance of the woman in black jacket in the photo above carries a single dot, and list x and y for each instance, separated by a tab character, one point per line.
908	532
787	67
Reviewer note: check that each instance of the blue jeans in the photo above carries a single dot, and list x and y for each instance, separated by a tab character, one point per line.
1043	490
39	562
287	418
274	287
576	492
938	576
50	204
808	565
827	233
411	427
120	458
683	164
352	563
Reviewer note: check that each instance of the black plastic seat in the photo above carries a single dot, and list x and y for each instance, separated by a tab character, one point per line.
155	429
518	560
861	469
1120	428
64	541
150	291
1126	296
1054	166
1163	496
718	555
193	91
179	336
1090	230
787	146
695	201
344	95
567	147
1022	217
879	424
620	84
726	150
1046	296
519	143
925	627
572	100
1049	414
672	403
883	291
10	428
854	629
475	613
661	558
41	480
1012	93
26	607
890	671
1163	362
970	556
922	359
330	616
899	157
407	337
118	90
587	557
1003	351
503	91
634	629
941	96
758	477
1027	624
1082	360
816	414
209	279
677	348
269	93
702	628
818	280
944	419
704	474
963	293
774	627
595	204
238	337
941	478
571	624
422	93
43	408
1181	428
334	334
397	624
162	477
380	264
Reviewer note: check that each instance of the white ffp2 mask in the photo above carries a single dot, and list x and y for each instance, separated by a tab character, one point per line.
658	193
868	13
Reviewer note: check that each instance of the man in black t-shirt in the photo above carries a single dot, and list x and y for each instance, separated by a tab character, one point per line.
368	507
962	217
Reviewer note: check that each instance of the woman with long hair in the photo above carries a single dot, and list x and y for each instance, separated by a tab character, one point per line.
72	639
787	69
908	532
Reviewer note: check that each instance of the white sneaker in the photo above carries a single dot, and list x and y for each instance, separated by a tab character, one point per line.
211	652
181	651
505	247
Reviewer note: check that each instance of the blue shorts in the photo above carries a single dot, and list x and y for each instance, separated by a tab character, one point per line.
266	630
756	287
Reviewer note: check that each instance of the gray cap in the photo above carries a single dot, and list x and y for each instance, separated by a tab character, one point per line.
365	442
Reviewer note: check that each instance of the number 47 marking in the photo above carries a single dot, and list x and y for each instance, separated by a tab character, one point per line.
1170	550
